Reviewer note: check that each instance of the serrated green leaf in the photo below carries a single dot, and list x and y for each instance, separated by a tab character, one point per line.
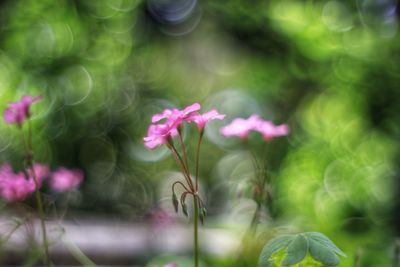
324	241
322	253
271	247
296	251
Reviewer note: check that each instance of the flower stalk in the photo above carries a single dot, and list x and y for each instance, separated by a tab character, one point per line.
38	197
162	134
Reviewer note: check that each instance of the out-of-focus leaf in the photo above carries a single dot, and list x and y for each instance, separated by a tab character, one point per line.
322	240
321	248
296	251
273	246
322	253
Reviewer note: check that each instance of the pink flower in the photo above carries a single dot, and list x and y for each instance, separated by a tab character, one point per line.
202	119
158	134
65	179
269	130
171	265
17	112
241	127
41	172
176	116
17	187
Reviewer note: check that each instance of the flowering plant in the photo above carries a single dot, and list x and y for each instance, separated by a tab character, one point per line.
16	187
241	128
167	125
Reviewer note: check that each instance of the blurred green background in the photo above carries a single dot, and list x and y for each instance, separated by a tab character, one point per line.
330	69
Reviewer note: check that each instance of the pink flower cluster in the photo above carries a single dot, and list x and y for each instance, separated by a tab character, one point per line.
159	133
242	128
19	186
18	112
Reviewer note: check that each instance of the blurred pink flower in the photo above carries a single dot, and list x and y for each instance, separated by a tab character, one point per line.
171	265
269	130
17	112
161	218
41	172
202	119
158	134
241	127
64	179
17	187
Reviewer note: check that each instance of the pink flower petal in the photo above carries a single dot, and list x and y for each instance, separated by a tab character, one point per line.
17	112
202	119
14	187
158	134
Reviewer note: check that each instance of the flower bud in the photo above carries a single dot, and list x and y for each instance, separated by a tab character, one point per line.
175	202
184	209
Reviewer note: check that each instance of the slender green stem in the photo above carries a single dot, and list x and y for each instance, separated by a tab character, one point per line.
26	146
30	135
196	231
15	228
180	183
185	158
180	162
198	159
42	223
38	197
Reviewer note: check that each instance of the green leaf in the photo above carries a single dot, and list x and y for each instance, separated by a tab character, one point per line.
271	247
175	202
322	253
296	251
324	241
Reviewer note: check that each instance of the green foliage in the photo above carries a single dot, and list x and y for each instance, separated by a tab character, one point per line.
273	246
296	251
321	249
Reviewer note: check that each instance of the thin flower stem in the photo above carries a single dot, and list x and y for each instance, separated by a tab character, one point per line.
264	166
42	222
261	181
38	197
30	135
15	228
198	159
196	230
179	182
184	169
185	158
26	146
